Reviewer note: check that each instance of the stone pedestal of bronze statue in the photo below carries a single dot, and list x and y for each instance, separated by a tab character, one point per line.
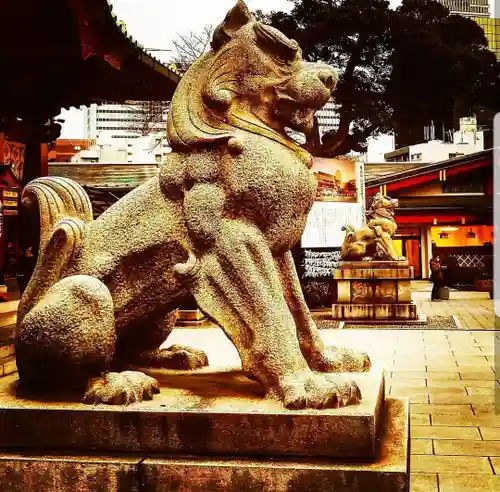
374	291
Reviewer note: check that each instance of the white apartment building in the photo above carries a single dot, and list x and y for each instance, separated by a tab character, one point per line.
124	121
328	117
466	141
467	8
136	150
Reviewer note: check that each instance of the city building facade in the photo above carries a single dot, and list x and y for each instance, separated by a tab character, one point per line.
467	140
491	28
467	8
445	208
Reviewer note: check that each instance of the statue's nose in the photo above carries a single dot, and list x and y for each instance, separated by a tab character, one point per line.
328	77
326	74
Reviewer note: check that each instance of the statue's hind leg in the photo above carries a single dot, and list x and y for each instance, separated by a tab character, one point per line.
69	337
319	357
144	350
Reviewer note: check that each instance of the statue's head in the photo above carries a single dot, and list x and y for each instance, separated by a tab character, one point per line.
253	79
379	201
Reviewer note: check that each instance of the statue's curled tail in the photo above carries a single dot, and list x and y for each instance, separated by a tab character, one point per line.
64	209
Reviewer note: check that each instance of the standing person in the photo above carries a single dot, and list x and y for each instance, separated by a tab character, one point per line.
437	277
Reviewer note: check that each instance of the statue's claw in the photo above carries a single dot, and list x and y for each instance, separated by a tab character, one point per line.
315	390
121	388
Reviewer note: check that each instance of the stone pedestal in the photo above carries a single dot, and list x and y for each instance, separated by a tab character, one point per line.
190	317
208	430
374	291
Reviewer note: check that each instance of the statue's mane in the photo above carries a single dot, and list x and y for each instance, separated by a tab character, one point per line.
201	111
376	211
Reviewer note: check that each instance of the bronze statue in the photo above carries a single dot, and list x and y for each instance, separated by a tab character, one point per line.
374	241
217	223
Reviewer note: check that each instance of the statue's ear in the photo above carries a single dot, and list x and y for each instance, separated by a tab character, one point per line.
236	18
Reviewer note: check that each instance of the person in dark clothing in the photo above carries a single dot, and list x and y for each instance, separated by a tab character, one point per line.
437	277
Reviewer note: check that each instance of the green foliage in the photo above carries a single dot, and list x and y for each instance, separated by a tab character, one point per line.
398	67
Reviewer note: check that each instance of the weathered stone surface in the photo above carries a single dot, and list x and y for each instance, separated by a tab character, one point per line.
373	264
44	473
389	473
380	292
369	312
216	224
343	291
404	291
197	413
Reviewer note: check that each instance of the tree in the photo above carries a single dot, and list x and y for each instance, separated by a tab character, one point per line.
148	116
396	67
188	48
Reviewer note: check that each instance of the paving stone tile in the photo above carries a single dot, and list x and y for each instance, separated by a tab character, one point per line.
433	408
421	463
495	463
466	448
490	433
421	446
442	432
489	391
451	398
440	385
465	420
484	409
464	483
423	483
483	375
420	419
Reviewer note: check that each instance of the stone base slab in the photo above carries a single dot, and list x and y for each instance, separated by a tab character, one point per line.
373	264
370	312
389	472
202	412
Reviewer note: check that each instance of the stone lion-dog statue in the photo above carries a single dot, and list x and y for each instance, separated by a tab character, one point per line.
375	239
217	223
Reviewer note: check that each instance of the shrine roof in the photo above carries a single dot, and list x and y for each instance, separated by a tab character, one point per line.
67	53
386	173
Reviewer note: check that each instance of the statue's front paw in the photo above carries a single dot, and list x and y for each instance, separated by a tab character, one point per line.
121	388
337	359
174	357
314	390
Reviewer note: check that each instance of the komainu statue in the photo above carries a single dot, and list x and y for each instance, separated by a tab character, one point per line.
374	241
217	223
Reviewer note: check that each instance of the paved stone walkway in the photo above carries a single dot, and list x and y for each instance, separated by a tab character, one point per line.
450	379
474	310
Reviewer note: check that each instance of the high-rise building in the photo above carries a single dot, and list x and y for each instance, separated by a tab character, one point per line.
467	8
328	117
125	120
491	28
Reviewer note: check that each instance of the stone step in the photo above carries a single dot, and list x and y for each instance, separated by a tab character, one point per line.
202	412
25	471
8	366
369	312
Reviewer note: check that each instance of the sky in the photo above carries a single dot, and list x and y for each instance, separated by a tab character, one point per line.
156	23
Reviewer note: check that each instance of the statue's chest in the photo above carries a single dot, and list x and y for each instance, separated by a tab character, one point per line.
272	183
